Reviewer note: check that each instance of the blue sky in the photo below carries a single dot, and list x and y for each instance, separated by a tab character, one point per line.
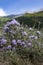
20	6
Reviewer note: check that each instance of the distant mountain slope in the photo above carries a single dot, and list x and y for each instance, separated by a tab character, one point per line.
39	13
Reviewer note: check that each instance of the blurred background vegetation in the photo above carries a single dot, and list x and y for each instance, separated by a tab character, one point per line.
30	19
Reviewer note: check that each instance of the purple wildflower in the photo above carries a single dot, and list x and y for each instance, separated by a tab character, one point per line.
14	22
8	23
19	41
30	29
14	42
3	41
9	47
33	37
11	31
6	29
38	32
29	44
24	33
22	43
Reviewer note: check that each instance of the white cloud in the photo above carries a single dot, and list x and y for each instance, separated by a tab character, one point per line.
2	12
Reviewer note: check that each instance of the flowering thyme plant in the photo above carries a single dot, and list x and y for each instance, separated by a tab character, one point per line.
22	41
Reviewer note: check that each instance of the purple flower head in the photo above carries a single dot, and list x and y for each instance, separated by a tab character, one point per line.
38	32
11	31
6	29
3	41
30	29
33	37
15	22
14	42
24	33
9	47
8	23
22	43
19	41
29	44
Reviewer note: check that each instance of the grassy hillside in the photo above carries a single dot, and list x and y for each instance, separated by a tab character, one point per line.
30	19
40	13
